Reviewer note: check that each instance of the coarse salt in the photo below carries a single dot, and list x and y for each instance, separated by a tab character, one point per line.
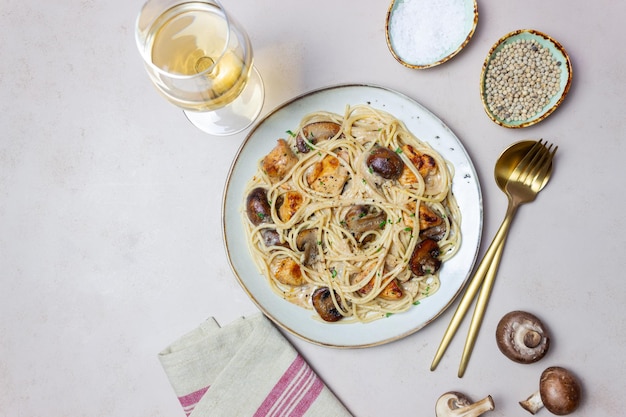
425	31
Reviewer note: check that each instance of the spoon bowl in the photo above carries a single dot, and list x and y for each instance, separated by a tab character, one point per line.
510	158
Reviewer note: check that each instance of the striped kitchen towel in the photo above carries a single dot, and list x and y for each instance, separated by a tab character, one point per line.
246	368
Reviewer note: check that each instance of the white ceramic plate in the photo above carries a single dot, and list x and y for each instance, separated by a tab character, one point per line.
426	127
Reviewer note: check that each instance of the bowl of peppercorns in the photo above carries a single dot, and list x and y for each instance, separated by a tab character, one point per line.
525	77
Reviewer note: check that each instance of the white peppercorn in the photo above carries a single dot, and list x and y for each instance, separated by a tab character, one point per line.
520	80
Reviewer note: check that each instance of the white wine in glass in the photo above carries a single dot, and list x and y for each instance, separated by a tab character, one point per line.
200	59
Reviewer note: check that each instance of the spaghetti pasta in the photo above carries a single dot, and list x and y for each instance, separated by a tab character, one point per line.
354	209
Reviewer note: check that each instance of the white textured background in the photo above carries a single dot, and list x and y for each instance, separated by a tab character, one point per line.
110	240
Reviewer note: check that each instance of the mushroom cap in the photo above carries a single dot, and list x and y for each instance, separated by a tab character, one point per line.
560	391
324	305
522	337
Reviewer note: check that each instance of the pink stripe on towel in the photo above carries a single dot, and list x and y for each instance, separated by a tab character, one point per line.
190	401
294	392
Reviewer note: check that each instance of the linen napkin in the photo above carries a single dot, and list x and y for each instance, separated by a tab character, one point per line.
246	368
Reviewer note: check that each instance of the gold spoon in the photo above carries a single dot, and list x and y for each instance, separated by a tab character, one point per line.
506	170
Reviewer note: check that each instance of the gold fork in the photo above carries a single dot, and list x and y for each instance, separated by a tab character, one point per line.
524	183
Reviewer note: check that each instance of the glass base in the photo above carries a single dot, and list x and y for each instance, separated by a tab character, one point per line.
236	116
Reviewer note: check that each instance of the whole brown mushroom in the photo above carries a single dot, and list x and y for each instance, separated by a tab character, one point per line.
559	392
522	337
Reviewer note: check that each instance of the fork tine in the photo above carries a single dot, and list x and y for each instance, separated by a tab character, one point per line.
542	171
526	160
531	170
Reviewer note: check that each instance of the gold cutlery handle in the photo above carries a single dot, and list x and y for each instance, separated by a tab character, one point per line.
483	297
474	285
479	312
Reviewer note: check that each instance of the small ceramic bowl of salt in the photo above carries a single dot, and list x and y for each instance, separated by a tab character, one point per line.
425	33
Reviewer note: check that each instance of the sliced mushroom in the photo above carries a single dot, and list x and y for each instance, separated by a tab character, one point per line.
258	212
287	271
522	337
424	259
279	161
272	238
314	132
455	404
364	218
559	392
258	207
307	242
436	232
385	162
322	300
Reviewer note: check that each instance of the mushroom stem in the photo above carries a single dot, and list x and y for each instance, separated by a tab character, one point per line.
455	404
533	403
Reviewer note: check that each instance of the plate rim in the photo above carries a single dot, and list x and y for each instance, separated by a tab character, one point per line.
299	333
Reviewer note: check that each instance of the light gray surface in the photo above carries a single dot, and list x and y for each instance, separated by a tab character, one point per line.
110	238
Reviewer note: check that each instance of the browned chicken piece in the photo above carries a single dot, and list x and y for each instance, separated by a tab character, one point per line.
279	161
289	204
392	290
425	165
287	271
327	176
427	217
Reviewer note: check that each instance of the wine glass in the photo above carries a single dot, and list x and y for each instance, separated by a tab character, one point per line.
200	59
